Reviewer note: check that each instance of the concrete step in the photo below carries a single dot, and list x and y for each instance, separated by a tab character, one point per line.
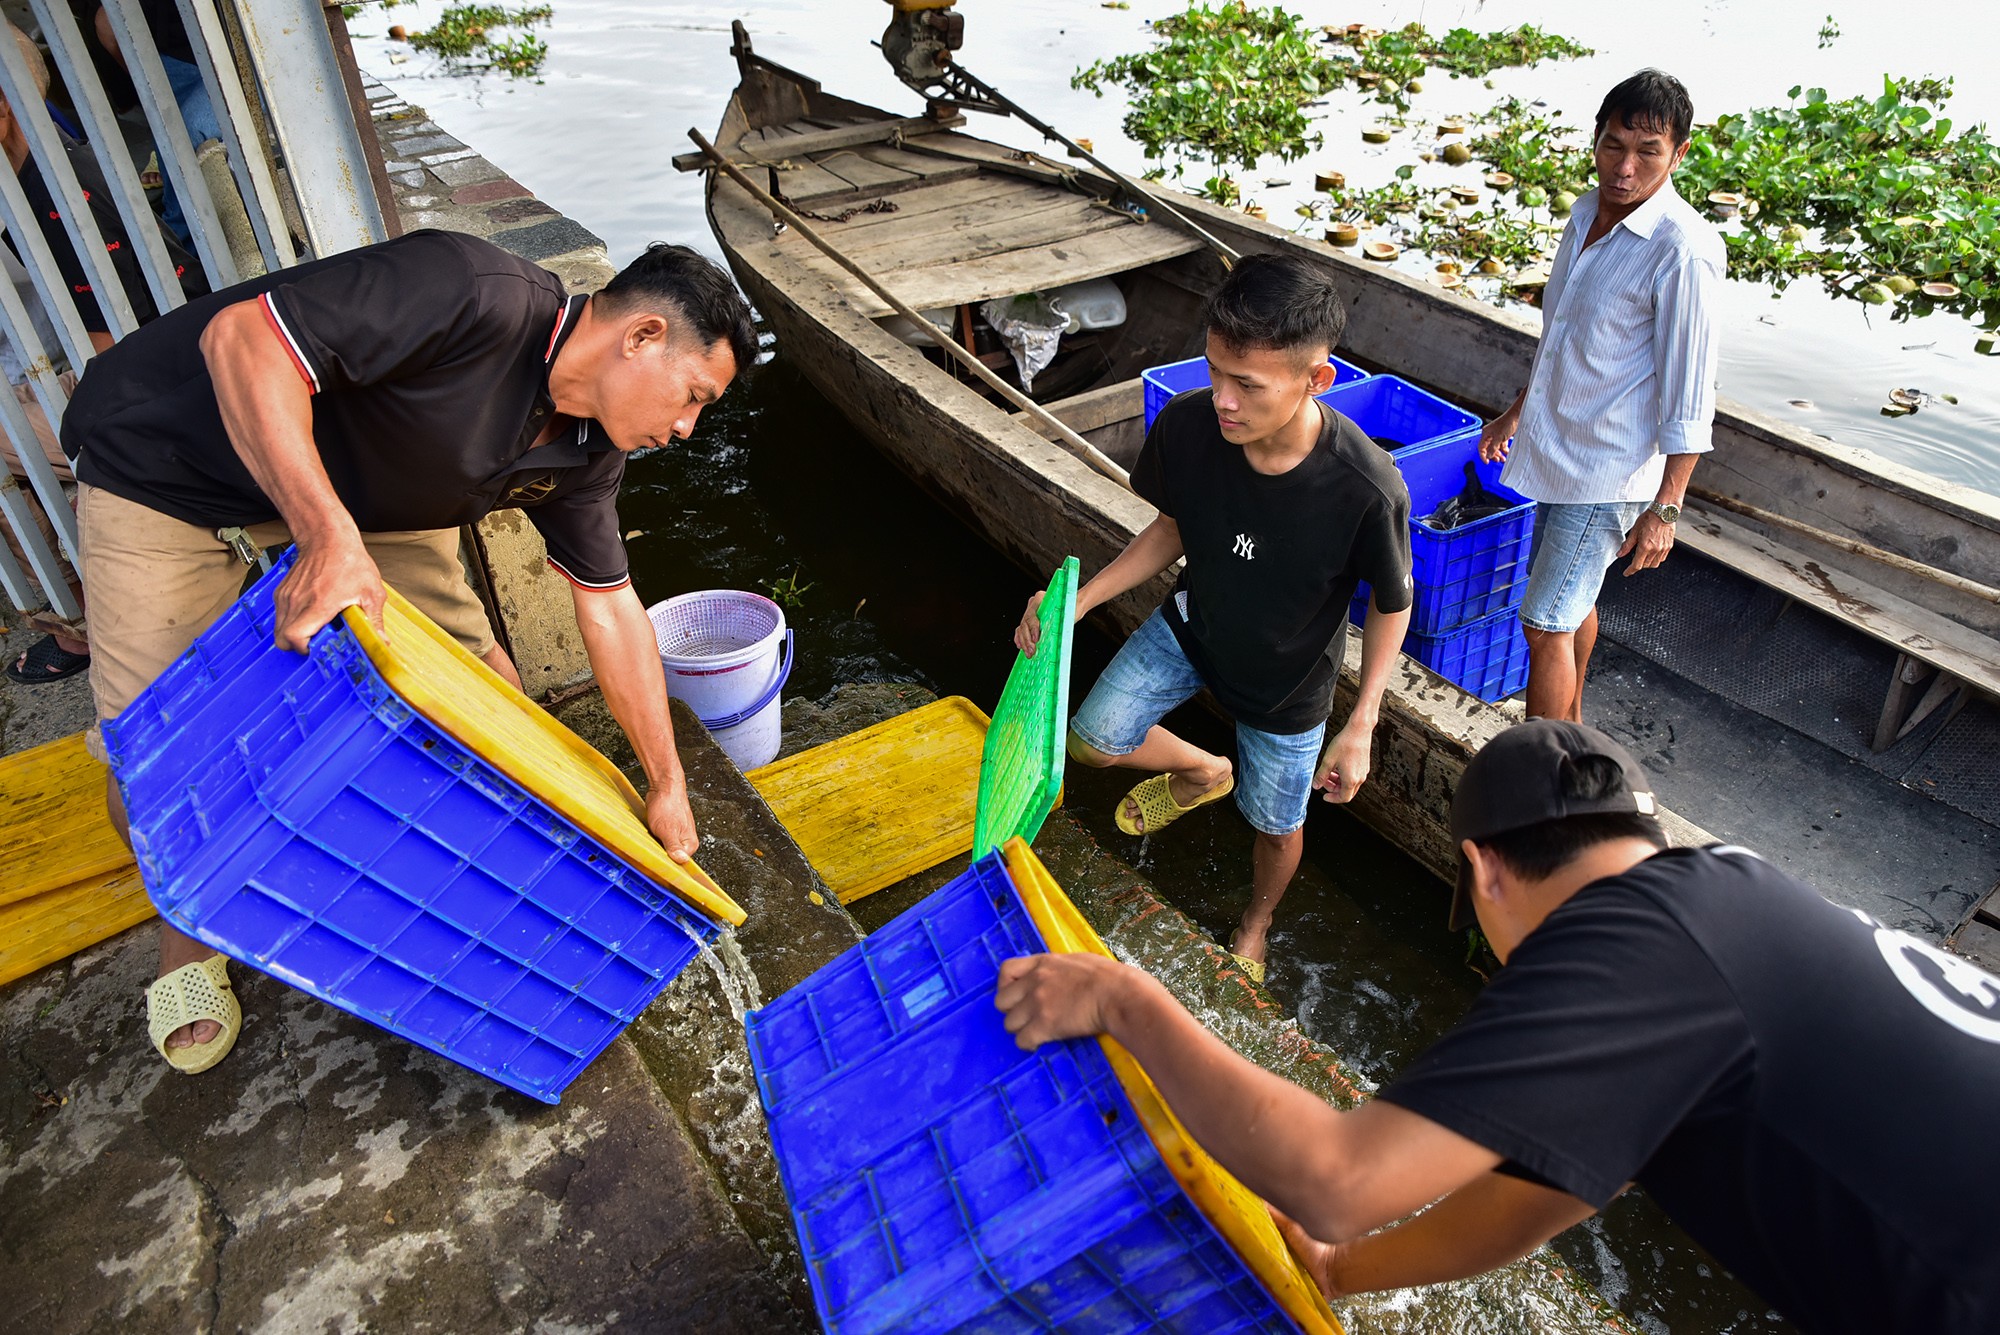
330	1176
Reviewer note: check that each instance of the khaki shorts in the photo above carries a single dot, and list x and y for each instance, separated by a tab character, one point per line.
154	584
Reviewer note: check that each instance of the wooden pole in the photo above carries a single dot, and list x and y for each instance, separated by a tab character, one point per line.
1065	437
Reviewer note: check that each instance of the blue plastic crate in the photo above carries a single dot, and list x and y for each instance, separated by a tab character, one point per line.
1488	658
292	812
1163	382
1471	571
1387	407
941	1179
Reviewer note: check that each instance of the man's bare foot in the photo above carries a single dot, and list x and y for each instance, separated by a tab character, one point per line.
1249	942
177	950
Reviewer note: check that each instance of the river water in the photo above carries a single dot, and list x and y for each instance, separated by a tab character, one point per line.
776	488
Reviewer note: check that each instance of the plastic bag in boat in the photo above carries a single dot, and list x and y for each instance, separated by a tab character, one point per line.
1031	327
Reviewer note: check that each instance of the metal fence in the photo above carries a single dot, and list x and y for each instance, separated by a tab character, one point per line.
287	177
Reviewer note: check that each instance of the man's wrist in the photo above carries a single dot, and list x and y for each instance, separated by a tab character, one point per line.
1127	997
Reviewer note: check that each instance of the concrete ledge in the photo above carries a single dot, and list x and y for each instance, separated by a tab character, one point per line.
329	1176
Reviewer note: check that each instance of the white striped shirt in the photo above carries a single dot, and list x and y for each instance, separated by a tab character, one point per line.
1625	371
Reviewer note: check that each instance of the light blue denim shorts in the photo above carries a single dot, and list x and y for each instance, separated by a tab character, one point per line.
1148	679
1574	545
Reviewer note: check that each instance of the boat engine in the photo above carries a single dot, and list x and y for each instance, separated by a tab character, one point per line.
920	39
918	44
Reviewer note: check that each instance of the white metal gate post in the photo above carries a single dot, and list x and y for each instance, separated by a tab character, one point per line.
307	103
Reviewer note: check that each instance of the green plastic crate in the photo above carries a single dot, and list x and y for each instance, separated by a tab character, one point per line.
1021	769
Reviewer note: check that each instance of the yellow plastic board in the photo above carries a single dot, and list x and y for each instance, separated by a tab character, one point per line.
1238	1215
57	923
887	802
469	700
54	829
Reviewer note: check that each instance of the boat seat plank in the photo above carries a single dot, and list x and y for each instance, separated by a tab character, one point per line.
1902	625
1032	268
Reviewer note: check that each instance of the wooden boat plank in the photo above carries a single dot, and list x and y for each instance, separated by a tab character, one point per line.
933	197
1876	612
816	141
997	157
804	181
917	164
1093	409
1070	260
985	230
859	171
1027	269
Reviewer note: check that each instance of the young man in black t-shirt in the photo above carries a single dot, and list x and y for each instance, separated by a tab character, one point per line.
1766	1064
1280	506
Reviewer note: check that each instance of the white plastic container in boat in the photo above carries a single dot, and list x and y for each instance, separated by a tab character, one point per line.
727	655
1095	303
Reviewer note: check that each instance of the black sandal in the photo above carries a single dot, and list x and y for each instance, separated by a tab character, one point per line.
47	661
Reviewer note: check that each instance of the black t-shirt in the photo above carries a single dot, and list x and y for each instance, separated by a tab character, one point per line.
1810	1095
124	260
1261	605
428	361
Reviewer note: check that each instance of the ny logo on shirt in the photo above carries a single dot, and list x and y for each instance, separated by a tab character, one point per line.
1246	547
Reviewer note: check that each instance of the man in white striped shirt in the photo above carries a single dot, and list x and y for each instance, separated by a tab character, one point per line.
1621	396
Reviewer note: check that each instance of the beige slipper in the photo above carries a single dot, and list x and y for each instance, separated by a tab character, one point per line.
1252	969
1157	808
198	991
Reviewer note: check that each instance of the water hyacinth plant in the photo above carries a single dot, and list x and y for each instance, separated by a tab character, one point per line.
1860	192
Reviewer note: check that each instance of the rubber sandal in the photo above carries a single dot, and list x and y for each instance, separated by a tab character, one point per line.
47	661
198	991
1157	808
1252	969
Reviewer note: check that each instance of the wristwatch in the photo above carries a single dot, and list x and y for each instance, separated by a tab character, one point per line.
1667	512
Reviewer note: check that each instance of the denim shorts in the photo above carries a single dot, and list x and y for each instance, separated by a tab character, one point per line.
1574	545
1148	679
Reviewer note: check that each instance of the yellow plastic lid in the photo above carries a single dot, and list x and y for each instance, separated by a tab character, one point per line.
1238	1215
441	680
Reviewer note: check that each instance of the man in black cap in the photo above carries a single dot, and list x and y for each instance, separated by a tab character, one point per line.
1693	1020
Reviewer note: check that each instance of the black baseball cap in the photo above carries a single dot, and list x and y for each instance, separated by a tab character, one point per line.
1517	780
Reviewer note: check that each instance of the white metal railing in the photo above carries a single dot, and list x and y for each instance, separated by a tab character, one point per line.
313	153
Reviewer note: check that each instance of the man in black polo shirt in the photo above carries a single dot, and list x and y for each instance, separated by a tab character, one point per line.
365	406
1280	506
1766	1064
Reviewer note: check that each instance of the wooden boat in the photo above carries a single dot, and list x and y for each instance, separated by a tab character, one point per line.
947	220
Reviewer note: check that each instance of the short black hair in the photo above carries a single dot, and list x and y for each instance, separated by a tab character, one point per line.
695	287
1649	100
1283	301
1536	852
